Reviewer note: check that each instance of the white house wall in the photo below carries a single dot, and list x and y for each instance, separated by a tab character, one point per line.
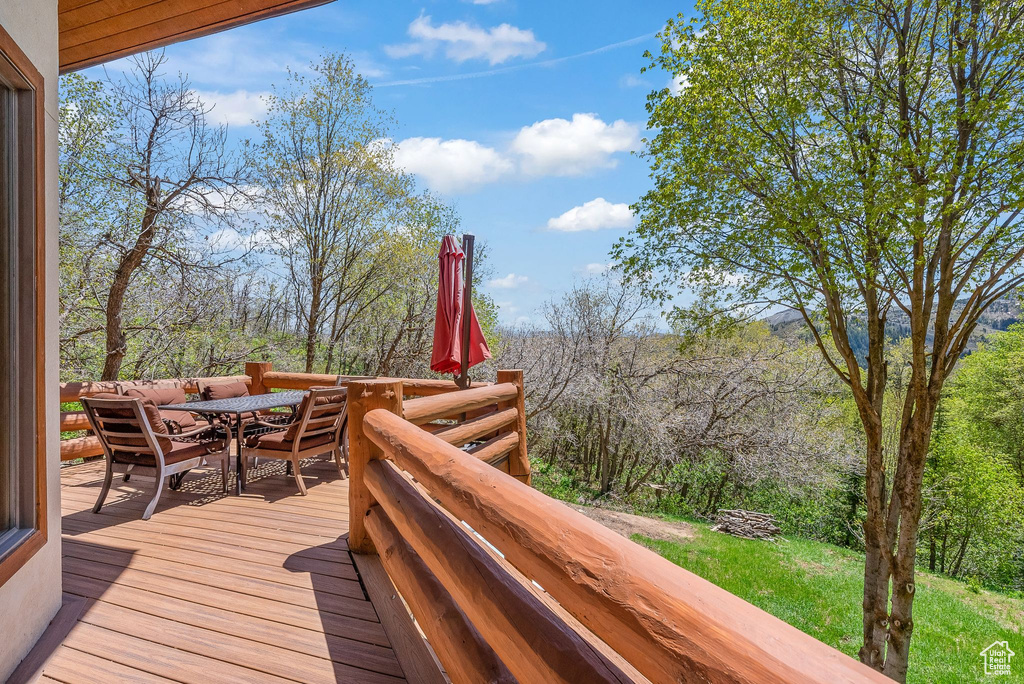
29	599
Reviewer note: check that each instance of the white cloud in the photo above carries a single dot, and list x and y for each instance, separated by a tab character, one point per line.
204	200
597	214
238	108
231	60
596	268
450	166
230	240
226	238
554	147
509	282
462	41
632	81
570	148
677	84
367	66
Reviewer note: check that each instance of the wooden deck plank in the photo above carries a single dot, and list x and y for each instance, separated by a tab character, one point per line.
227	522
158	659
297	616
298	563
319	514
272	659
217	588
179	575
310	642
75	500
75	667
247	536
126	552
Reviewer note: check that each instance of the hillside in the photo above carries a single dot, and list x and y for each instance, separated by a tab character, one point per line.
818	589
998	317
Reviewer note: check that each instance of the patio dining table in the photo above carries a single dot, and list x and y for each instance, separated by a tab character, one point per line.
237	406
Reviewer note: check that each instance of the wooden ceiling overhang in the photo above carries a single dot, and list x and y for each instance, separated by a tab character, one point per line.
97	31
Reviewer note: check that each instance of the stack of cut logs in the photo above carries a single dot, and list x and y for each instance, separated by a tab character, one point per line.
747	524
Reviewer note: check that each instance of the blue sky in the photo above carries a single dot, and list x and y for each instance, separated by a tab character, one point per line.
522	114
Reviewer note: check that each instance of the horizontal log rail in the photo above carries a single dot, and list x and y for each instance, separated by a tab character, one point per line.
73	391
297	381
260	377
515	622
668	624
496	447
475	428
427	409
80	447
413	387
448	630
71	421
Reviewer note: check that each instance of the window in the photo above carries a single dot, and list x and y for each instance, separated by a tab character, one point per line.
22	462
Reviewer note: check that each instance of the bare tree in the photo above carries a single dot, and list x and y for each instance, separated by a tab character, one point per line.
166	167
620	404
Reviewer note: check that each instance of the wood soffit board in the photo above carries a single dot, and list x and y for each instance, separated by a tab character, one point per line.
97	31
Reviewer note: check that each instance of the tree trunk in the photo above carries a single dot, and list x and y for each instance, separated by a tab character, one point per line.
916	437
605	466
716	495
931	550
960	554
313	325
876	565
890	534
116	342
942	556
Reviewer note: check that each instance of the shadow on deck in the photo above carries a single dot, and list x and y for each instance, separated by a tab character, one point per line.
252	588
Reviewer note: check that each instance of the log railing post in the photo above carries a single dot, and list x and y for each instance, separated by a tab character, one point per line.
518	461
255	370
364	397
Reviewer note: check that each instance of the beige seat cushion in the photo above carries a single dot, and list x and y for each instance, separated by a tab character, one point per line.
293	427
152	414
180	451
276	441
225	390
162	397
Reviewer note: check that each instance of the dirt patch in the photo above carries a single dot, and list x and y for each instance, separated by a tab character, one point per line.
628	524
811	567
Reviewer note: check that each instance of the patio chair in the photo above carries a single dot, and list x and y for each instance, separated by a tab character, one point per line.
134	436
316	429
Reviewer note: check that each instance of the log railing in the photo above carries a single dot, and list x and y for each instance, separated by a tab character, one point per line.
609	610
70	421
260	376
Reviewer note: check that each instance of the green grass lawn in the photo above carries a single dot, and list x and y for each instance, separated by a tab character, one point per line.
818	589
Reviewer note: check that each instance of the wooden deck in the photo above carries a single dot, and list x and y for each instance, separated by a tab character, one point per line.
215	588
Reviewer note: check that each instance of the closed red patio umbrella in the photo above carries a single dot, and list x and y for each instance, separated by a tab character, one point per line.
451	328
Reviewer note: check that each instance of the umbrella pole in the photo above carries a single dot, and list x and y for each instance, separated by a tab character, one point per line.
467	303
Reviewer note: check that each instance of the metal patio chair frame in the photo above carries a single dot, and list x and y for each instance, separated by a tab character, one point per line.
110	430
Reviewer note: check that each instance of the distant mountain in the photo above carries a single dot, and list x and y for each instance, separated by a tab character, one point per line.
1001	315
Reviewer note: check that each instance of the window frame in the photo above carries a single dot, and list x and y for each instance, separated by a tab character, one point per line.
19	74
